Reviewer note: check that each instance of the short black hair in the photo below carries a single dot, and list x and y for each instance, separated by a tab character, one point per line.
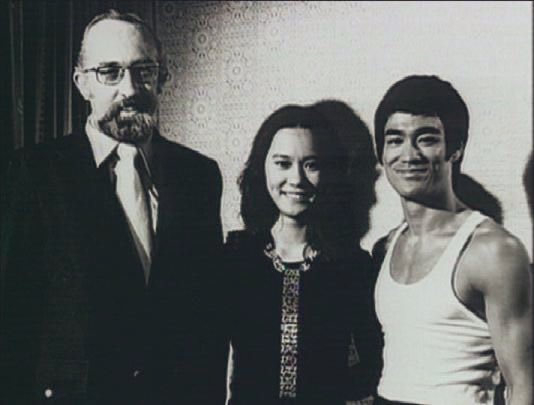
429	96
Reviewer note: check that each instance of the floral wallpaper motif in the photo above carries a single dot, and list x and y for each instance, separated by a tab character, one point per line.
224	79
234	62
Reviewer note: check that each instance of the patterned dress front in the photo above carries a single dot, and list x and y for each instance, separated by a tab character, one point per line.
292	326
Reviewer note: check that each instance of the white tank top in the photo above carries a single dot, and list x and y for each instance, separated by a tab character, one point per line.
436	350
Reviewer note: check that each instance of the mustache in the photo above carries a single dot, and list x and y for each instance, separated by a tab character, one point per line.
133	128
142	103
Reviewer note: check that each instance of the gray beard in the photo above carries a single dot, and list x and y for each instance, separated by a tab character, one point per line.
135	129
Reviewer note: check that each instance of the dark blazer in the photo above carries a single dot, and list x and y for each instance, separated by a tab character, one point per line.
336	314
79	325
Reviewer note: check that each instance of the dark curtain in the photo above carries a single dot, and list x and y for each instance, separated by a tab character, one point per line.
43	39
39	101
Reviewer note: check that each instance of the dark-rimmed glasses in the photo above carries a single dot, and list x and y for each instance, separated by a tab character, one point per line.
112	75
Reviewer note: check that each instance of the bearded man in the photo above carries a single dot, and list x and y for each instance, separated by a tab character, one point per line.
110	245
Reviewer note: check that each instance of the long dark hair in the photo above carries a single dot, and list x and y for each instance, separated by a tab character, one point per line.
331	223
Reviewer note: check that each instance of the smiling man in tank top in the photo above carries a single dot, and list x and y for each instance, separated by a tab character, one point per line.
454	294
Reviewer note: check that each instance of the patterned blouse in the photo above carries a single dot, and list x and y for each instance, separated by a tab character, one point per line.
302	333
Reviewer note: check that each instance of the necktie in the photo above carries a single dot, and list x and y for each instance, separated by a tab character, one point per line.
133	199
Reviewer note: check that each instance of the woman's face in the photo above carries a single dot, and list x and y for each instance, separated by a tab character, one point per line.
293	171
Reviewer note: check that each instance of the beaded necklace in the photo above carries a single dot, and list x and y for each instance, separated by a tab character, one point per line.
279	265
290	314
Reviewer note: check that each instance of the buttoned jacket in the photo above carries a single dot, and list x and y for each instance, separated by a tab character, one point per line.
79	324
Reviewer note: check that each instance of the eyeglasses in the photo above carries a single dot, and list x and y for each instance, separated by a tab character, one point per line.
112	75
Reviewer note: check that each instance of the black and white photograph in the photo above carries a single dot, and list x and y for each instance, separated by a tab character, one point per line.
266	203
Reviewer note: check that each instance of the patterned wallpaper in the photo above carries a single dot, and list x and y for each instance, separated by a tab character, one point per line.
233	63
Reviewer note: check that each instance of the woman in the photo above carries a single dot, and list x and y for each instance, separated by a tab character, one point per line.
301	287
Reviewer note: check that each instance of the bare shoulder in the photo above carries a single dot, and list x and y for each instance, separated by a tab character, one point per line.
495	256
497	245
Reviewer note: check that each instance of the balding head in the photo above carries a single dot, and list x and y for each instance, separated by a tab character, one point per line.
96	35
119	73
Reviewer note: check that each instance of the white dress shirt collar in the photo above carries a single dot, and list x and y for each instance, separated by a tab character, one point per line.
103	145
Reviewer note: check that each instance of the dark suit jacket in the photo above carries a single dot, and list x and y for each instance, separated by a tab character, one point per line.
78	322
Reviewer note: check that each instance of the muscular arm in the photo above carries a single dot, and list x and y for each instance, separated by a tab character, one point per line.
504	280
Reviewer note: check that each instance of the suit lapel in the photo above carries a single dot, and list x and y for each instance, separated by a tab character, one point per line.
105	222
169	180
